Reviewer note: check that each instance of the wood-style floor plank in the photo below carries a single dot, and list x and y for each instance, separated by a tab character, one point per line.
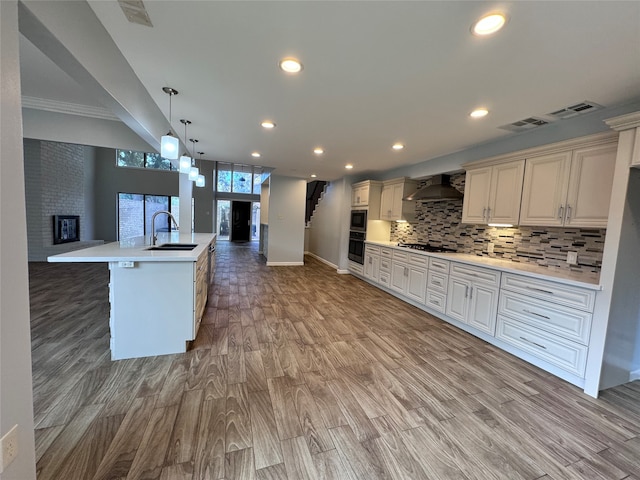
299	372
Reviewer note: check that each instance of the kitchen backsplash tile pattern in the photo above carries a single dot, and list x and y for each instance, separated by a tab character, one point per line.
439	223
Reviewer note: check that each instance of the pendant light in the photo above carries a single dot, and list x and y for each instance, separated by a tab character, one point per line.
169	143
193	171
185	159
200	181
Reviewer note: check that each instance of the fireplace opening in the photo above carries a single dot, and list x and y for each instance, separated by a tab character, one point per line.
66	228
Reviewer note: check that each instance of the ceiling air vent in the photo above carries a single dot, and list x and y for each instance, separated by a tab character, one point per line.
135	12
577	109
524	125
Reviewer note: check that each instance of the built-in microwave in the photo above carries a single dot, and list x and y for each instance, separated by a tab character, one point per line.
358	221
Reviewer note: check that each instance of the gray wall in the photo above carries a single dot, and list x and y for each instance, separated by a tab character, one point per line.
16	401
109	180
324	232
286	220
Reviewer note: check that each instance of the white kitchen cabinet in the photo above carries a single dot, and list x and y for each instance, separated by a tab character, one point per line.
437	284
570	188
392	207
360	194
492	194
472	296
549	320
372	263
200	290
409	275
366	195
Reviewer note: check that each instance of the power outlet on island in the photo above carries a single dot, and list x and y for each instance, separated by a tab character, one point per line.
8	448
572	258
490	247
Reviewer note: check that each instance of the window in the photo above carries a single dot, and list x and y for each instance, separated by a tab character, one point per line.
235	178
129	158
135	211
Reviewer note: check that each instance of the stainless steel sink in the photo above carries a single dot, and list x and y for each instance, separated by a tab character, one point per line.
174	247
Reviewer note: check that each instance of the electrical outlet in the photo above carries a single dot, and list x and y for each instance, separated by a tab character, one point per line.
8	448
490	247
572	258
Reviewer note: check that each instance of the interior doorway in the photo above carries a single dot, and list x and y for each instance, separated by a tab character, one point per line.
240	221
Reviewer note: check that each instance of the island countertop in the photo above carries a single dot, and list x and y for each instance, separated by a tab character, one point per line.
136	250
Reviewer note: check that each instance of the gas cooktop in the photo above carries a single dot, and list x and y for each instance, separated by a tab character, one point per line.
425	247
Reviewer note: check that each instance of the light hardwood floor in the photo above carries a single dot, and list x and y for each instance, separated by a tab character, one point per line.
297	373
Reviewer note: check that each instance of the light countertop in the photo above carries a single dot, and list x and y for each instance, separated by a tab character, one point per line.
585	280
135	250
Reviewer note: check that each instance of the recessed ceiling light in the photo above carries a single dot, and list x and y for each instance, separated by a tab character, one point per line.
348	166
479	113
318	151
489	24
397	146
313	175
268	124
290	65
255	154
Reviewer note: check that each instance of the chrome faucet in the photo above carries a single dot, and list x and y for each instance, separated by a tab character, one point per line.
154	237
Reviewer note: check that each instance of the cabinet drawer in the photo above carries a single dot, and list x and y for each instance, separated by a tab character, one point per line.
386	252
437	281
356	268
385	264
567	322
384	278
560	293
373	249
439	264
418	260
560	352
436	300
477	274
399	256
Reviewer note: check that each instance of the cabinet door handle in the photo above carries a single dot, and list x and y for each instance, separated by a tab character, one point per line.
560	211
533	343
484	217
437	283
540	290
568	212
536	314
466	291
488	214
406	272
471	293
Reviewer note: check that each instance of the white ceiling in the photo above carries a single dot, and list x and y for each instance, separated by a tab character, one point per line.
375	73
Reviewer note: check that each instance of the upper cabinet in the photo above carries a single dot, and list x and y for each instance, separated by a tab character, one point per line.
492	193
360	194
562	184
570	188
366	196
392	207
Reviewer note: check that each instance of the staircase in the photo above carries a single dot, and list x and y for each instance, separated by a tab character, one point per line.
315	190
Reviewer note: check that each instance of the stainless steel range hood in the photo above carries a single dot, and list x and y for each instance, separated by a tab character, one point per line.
438	191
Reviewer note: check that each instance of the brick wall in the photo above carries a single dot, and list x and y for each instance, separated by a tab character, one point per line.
54	185
439	223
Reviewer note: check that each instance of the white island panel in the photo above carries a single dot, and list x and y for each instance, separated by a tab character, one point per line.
151	308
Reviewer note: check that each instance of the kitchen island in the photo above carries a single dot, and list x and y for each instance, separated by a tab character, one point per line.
157	297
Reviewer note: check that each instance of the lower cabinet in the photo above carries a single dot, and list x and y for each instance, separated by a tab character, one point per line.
409	275
200	290
472	296
541	318
372	263
546	319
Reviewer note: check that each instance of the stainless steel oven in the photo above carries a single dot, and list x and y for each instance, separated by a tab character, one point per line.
356	247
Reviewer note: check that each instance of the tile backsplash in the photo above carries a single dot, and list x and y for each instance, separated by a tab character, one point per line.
439	223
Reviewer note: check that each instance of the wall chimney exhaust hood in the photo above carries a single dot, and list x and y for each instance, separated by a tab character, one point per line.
438	190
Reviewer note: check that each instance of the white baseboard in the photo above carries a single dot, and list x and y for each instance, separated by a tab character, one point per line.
326	262
343	272
284	264
635	375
